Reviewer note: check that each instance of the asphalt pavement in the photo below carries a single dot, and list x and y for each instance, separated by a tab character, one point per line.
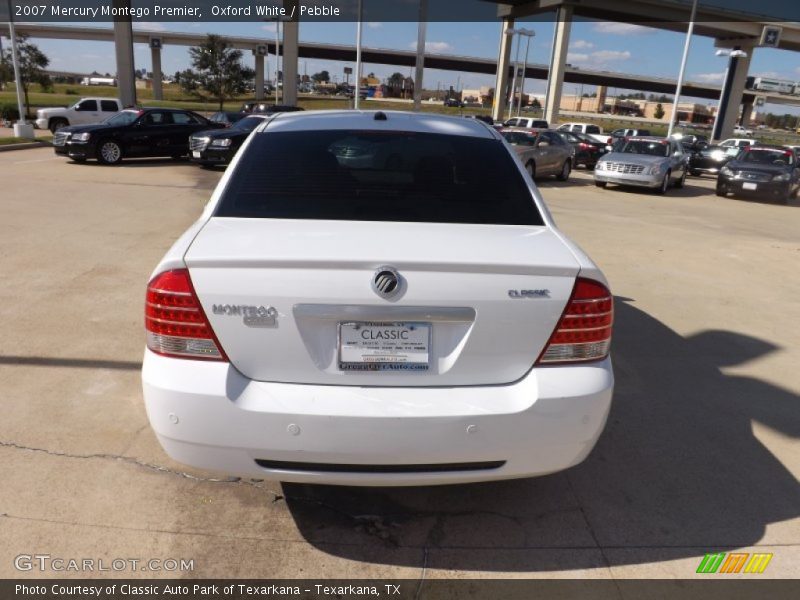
701	453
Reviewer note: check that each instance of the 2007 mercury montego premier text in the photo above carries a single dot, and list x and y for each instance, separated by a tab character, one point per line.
377	298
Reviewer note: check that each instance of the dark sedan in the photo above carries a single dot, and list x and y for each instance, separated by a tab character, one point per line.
264	108
587	149
226	117
132	133
768	172
710	159
219	146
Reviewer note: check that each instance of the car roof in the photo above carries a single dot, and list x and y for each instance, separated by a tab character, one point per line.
648	138
391	120
158	108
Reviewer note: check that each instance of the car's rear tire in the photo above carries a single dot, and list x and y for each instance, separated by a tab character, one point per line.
109	152
662	189
565	171
56	124
695	173
682	181
601	184
530	167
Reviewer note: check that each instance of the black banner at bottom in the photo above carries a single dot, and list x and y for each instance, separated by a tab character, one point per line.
400	589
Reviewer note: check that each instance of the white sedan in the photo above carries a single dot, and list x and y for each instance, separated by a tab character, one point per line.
377	298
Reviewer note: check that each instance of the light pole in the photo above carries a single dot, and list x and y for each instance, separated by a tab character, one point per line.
511	31
727	83
22	128
359	27
277	21
679	87
529	33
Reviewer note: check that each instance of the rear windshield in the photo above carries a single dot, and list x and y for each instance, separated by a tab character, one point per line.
767	156
379	176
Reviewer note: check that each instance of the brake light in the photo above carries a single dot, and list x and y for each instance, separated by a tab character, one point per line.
584	331
585	146
174	319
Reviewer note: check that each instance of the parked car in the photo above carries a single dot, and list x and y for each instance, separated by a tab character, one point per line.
453	102
739	130
485	118
737	142
710	159
542	152
761	171
691	142
587	149
651	162
265	108
620	134
313	324
527	122
226	118
590	129
132	133
84	112
219	146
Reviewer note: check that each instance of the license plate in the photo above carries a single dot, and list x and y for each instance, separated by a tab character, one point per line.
195	154
370	346
749	186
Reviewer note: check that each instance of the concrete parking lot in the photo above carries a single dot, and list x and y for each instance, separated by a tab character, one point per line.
701	453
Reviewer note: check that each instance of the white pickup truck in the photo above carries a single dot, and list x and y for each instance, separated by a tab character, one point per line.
593	131
84	112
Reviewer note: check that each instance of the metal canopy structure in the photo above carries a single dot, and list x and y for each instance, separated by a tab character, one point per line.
729	28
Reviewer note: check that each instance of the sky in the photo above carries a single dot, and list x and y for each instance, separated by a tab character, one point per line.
618	47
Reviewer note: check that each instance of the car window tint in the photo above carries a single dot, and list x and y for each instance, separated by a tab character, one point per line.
88	105
592	129
181	118
108	106
379	176
156	118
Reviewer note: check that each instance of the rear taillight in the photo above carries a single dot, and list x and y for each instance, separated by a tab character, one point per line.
584	331
175	322
585	146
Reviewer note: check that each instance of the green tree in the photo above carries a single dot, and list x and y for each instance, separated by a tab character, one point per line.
321	77
395	79
535	104
32	65
6	71
659	113
219	69
189	82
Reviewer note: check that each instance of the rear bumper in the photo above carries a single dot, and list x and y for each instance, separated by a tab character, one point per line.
208	415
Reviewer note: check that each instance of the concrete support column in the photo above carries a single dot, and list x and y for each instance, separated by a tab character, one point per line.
155	53
259	75
732	92
558	60
503	65
747	114
291	33
602	95
123	42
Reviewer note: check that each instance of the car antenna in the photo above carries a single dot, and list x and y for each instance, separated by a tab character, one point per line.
380	116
